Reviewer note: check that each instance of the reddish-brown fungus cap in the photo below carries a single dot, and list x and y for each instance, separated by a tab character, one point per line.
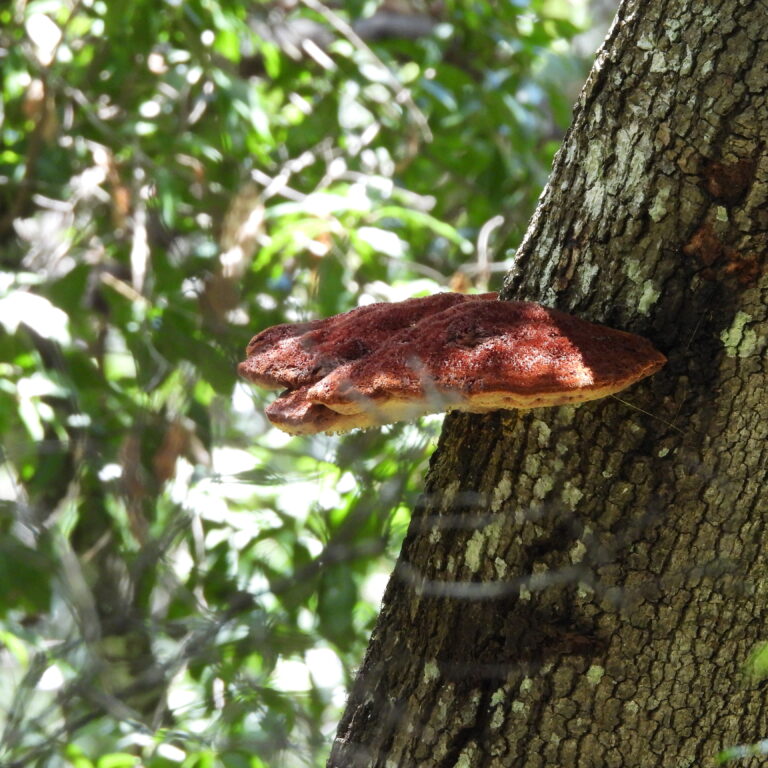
456	353
294	413
491	355
293	355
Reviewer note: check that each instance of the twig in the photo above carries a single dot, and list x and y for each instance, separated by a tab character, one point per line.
402	94
483	250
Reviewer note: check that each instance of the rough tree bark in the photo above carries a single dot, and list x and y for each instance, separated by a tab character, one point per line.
584	586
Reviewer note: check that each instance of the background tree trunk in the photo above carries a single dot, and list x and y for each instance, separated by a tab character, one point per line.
584	586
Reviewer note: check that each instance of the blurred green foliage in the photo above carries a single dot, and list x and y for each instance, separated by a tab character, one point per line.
181	585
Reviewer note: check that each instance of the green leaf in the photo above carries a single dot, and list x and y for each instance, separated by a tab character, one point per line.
16	646
118	760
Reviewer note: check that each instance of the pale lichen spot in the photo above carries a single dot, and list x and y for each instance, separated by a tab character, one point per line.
649	296
578	550
474	551
431	671
632	269
531	464
645	44
739	341
660	206
542	487
501	492
501	567
571	495
658	63
518	707
566	414
543	431
595	674
672	28
465	758
492	533
631	707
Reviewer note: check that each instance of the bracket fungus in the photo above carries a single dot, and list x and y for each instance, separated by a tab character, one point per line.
396	361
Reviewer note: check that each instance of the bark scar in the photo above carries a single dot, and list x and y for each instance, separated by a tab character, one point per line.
719	260
728	184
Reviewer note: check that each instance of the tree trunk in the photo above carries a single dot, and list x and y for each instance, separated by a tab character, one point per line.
584	586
